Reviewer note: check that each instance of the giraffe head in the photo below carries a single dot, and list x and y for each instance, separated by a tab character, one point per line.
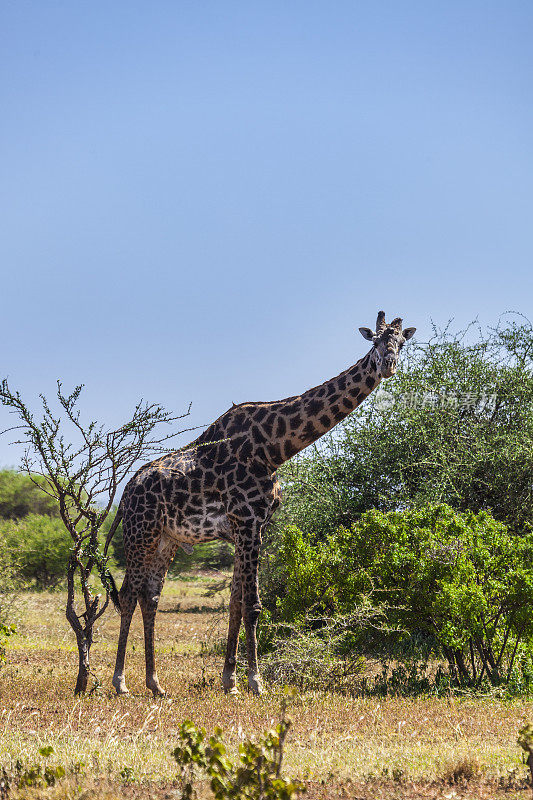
388	340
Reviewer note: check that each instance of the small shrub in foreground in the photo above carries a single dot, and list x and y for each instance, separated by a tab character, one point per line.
257	776
40	774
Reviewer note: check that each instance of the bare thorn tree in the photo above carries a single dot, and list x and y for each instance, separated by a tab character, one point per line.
82	465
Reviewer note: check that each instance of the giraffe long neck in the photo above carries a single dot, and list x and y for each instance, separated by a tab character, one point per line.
302	420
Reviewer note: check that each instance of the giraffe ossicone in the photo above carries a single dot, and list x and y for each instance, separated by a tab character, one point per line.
224	486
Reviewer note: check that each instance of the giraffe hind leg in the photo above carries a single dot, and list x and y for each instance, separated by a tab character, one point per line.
229	681
149	600
128	601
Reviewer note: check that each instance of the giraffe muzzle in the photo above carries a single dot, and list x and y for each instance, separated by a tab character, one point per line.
389	367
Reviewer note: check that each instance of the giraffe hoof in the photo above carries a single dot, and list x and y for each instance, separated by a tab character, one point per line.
255	684
120	685
229	683
156	688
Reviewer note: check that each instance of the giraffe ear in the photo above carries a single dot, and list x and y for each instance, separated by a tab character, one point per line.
366	333
408	332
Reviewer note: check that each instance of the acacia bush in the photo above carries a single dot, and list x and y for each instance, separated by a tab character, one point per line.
453	430
447	584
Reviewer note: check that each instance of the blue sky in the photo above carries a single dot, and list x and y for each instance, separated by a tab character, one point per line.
202	201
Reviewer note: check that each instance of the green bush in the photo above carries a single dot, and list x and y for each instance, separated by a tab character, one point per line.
34	779
301	578
450	584
20	496
38	548
459	582
8	596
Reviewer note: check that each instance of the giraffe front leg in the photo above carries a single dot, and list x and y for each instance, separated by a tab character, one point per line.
149	600
252	605
229	681
251	617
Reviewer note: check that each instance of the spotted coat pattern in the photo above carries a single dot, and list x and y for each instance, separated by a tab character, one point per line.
224	486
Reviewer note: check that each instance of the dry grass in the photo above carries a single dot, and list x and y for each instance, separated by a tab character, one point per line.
344	747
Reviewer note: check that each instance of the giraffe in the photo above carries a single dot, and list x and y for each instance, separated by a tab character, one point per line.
224	486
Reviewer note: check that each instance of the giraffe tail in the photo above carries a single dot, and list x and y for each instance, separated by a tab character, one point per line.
113	529
113	591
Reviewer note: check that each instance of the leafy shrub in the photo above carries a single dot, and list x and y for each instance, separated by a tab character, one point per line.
460	581
452	584
38	548
20	496
8	596
301	578
257	776
40	774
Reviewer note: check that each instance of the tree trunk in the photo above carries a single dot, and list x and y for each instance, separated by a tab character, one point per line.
448	652
463	670
472	659
83	632
83	665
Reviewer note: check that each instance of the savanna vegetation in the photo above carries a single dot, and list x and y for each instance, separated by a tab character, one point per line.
397	584
339	745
